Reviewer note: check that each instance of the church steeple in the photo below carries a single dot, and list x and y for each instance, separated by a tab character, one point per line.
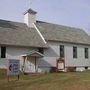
30	17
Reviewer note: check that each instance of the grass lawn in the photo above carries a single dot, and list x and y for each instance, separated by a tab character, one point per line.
51	81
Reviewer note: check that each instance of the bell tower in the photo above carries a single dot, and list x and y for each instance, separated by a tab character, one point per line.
30	17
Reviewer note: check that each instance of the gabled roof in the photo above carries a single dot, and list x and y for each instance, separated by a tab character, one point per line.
18	34
54	32
33	54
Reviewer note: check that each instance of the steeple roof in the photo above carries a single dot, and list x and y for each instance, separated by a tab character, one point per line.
30	11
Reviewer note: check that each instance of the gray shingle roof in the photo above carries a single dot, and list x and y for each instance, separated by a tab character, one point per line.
61	33
18	34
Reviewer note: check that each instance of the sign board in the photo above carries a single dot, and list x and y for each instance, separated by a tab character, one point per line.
60	65
13	67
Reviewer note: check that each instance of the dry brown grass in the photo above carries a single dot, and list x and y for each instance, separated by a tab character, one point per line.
51	81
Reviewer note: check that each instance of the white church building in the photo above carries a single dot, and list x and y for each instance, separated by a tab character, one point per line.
42	46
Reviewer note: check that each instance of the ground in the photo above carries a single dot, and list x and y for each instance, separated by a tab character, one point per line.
50	81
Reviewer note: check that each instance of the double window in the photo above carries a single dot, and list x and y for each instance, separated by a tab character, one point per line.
61	50
86	52
3	52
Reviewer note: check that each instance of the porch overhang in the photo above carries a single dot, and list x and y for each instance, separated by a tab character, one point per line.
33	54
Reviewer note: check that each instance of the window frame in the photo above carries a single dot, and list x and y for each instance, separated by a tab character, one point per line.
41	50
86	53
75	55
3	52
62	51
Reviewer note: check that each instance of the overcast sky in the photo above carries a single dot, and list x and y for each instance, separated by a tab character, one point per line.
74	13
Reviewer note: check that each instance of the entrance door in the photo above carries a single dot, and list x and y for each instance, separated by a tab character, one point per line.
32	65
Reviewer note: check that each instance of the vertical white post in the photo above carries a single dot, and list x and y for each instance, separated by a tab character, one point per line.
30	3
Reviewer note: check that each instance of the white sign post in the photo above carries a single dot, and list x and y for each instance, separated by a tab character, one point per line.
13	68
